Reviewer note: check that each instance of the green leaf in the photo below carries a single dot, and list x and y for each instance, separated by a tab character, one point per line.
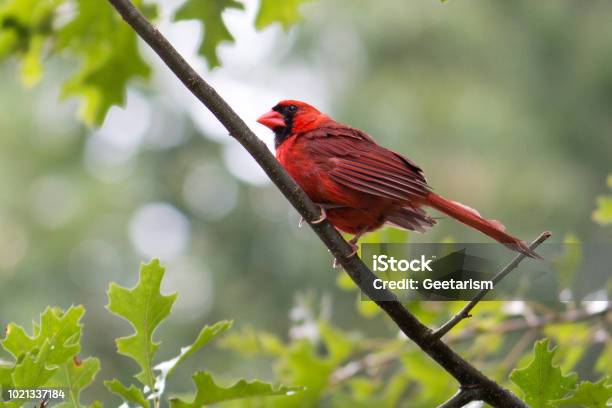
110	59
344	281
248	341
589	395
571	338
285	12
144	307
302	365
28	15
541	381
603	213
55	341
103	43
8	41
6	378
215	31
32	370
367	308
207	392
102	80
31	68
25	27
132	394
62	331
16	341
207	334
339	345
76	375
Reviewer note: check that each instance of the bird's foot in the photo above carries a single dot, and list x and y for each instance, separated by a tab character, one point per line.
319	220
355	247
322	217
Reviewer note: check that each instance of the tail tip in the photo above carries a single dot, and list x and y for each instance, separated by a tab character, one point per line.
523	248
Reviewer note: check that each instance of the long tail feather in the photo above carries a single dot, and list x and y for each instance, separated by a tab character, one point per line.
472	218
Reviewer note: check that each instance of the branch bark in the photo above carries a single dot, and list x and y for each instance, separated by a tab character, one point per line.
465	312
461	398
466	374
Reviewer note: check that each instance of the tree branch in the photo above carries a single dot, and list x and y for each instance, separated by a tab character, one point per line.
513	325
462	397
466	374
379	360
465	312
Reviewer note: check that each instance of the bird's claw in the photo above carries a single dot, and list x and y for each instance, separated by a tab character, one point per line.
355	247
322	217
319	220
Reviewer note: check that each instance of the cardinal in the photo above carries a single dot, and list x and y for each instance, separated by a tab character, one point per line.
359	185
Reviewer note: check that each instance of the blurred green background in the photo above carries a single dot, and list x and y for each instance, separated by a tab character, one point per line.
507	106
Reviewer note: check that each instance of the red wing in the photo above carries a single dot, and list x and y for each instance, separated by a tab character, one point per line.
355	161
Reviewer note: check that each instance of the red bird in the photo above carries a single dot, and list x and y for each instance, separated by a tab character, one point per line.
359	185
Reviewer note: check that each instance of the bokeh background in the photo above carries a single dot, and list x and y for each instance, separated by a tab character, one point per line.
507	106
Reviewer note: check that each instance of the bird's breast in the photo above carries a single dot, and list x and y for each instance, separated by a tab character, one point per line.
302	168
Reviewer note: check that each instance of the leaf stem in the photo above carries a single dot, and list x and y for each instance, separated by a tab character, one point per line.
74	398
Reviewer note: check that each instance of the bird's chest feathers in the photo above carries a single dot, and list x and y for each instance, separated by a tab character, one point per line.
301	166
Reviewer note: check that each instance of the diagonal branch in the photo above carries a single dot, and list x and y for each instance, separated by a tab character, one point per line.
465	312
466	374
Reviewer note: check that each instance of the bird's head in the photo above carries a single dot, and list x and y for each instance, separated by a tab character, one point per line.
289	117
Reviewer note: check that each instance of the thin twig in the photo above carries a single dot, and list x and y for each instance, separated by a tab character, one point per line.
375	361
513	325
455	365
465	312
462	397
368	362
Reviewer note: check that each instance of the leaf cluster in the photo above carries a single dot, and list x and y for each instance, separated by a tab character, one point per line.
49	357
544	385
104	48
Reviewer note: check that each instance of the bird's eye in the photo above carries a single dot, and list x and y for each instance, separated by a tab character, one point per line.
291	108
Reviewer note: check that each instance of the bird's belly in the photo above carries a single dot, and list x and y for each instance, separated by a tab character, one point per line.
356	220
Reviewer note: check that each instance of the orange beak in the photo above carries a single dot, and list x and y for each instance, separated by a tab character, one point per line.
272	119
